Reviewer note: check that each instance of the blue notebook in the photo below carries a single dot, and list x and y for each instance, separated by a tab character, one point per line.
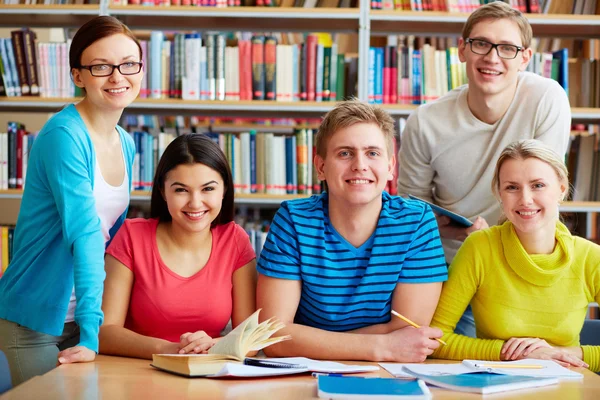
459	219
485	382
354	387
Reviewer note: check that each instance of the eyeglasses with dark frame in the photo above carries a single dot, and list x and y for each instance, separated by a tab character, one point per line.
483	48
126	68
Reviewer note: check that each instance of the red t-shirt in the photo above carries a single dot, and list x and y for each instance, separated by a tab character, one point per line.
165	305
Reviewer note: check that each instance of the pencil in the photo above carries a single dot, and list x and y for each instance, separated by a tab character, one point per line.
408	321
502	366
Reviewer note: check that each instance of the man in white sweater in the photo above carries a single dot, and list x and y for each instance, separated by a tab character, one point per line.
449	147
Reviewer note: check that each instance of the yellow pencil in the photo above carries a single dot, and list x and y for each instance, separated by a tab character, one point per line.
509	366
408	321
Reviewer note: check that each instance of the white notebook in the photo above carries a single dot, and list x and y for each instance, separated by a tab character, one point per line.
548	369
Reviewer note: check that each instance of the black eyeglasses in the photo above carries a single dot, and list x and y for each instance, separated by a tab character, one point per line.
483	48
127	68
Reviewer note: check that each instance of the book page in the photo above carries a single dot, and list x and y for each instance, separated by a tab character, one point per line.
233	343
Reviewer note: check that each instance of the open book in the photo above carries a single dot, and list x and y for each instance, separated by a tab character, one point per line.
246	337
527	367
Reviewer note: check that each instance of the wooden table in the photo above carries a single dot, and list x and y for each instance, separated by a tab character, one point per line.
126	378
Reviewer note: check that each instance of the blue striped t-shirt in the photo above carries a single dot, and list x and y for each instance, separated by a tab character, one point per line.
344	287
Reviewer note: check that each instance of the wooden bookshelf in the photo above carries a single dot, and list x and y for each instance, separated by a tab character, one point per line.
239	18
38	15
179	106
143	195
435	22
231	108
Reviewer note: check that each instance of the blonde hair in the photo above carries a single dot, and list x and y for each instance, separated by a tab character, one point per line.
499	10
352	112
530	148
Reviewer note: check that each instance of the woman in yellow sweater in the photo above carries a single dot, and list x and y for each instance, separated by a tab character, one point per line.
528	280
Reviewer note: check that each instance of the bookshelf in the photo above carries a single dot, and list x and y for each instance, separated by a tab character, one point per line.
270	199
552	25
36	15
363	21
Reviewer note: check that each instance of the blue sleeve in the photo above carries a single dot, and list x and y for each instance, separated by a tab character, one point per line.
68	177
279	257
425	261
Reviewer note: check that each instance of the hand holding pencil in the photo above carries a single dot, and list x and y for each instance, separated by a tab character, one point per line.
414	325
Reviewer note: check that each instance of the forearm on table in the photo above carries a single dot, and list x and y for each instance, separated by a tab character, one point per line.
120	341
320	344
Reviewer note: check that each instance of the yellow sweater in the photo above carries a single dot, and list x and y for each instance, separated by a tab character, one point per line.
515	294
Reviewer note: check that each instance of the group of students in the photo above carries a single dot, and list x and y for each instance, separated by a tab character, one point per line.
84	280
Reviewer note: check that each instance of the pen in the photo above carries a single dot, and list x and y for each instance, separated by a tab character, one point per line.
271	364
408	321
317	374
502	366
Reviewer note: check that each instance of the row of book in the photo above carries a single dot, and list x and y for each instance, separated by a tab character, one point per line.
413	71
29	68
6	242
239	3
14	152
466	6
256	67
50	2
583	163
260	162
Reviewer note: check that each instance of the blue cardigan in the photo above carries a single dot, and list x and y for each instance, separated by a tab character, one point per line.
58	241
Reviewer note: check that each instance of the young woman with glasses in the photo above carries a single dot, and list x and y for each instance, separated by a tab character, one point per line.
75	199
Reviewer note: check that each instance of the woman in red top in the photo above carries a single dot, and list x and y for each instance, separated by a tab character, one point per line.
173	281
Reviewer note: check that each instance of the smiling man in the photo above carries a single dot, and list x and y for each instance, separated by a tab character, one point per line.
449	147
335	265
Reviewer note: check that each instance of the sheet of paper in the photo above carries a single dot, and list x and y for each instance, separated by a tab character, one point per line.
550	368
326	366
396	369
248	371
438	369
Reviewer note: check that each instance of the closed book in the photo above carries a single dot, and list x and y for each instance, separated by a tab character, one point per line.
270	68
354	387
486	382
30	45
18	38
258	68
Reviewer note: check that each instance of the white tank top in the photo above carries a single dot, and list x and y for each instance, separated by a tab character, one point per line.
111	202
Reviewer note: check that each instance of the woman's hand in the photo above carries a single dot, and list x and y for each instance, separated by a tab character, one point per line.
519	348
76	354
196	342
565	356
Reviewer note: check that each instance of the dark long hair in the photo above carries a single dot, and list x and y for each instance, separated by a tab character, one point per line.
191	149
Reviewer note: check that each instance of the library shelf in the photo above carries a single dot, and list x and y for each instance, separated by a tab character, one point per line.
239	18
577	113
144	196
240	198
179	106
260	198
38	15
253	108
435	22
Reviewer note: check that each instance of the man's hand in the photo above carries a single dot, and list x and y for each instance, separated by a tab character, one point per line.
76	354
450	230
409	344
